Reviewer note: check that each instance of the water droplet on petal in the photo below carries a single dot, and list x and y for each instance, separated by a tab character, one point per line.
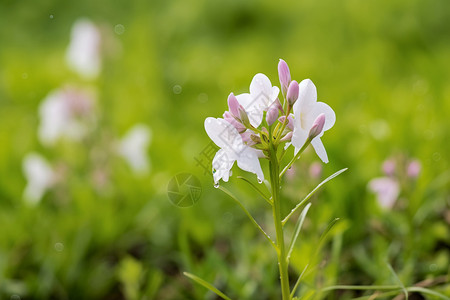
216	185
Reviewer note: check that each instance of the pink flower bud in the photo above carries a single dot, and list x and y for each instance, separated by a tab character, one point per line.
292	93
287	137
232	120
243	116
272	114
279	106
233	105
317	126
290	123
414	168
284	75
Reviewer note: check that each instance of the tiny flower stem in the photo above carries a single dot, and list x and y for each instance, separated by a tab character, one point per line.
308	141
283	126
281	253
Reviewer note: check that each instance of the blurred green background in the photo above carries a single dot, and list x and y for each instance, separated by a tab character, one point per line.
383	66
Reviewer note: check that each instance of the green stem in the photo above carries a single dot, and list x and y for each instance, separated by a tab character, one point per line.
308	141
281	253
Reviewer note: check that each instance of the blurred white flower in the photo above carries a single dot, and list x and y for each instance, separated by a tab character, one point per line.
386	190
133	148
63	113
83	53
306	110
232	148
39	176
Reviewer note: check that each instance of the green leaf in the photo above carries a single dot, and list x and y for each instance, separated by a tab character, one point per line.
206	285
297	229
312	193
248	215
256	189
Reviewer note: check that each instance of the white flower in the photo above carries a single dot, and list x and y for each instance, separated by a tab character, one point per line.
83	53
232	149
39	176
133	148
386	189
306	110
262	95
58	113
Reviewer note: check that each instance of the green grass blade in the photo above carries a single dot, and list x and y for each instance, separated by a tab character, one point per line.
312	193
248	215
206	285
398	280
297	229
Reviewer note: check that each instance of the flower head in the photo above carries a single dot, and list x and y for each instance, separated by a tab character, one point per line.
232	148
262	95
306	110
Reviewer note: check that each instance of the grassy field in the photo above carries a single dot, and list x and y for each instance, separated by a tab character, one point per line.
105	229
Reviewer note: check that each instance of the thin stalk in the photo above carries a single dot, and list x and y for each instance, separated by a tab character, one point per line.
281	253
308	141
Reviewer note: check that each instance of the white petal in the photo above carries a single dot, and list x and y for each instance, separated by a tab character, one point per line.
261	85
307	95
254	107
248	161
323	108
222	164
39	176
223	134
299	137
133	148
320	149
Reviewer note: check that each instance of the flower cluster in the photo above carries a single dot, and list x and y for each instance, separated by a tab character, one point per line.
70	114
258	120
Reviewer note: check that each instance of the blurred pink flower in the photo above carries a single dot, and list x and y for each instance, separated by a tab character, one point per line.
315	170
386	189
62	114
388	167
414	168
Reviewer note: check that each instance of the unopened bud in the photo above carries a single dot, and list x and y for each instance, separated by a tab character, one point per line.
255	138
290	123
317	126
287	137
292	93
243	116
284	75
272	114
233	105
232	120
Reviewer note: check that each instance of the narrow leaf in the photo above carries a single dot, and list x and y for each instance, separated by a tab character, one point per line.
248	215
312	193
256	189
206	285
398	280
297	229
